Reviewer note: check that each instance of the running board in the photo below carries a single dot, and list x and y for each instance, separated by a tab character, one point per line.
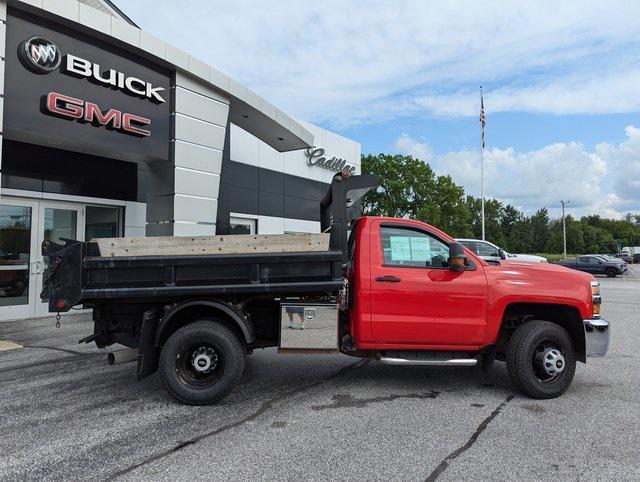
454	362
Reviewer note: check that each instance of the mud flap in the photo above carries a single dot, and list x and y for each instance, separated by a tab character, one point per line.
148	352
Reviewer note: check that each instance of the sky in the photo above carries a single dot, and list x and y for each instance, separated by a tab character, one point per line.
561	84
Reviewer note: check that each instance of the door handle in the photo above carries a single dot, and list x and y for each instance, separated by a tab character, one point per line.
388	279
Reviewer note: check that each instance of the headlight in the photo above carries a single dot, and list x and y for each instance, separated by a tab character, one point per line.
596	299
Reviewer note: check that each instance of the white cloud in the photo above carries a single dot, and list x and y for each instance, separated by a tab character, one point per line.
610	93
541	178
347	61
406	145
624	160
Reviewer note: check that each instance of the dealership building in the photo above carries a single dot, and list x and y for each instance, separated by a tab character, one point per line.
109	131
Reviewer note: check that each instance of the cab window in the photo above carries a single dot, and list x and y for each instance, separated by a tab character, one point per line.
486	249
409	247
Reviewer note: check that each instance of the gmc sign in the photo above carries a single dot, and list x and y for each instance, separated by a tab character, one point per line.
72	108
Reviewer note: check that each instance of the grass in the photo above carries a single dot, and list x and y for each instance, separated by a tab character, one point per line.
555	257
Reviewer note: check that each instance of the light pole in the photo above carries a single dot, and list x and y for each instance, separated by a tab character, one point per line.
564	228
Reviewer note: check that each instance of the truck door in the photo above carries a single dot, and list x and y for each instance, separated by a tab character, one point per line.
415	298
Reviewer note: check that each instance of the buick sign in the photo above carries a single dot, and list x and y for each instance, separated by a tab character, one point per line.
40	55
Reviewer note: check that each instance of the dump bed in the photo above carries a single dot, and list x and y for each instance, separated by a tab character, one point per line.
165	269
84	273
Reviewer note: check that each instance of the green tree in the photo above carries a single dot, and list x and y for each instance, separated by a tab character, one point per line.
406	185
447	210
540	230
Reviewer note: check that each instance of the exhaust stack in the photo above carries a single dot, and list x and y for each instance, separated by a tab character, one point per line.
122	356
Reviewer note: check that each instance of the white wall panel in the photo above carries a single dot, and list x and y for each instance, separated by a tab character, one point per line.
64	8
93	18
193	229
125	32
270	158
135	214
187	208
245	148
191	83
270	225
3	39
201	107
201	158
134	232
199	132
301	226
196	183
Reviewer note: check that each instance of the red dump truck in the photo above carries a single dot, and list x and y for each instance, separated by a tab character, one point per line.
396	290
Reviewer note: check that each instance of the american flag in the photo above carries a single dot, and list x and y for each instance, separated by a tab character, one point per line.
482	117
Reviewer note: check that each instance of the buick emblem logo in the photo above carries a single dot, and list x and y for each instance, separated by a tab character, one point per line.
40	55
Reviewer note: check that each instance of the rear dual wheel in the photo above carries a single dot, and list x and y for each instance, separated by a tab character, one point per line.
541	359
201	363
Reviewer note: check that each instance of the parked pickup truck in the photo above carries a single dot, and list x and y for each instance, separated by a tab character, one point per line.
395	290
595	264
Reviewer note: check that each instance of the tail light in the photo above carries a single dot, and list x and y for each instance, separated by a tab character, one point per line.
596	298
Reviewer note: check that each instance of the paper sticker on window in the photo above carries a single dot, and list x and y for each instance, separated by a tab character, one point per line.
400	248
420	248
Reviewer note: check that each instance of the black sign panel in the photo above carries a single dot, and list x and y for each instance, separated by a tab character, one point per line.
71	91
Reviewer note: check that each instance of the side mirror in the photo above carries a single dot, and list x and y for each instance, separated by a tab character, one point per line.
502	254
457	259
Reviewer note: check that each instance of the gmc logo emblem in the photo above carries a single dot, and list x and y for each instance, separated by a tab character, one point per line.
71	108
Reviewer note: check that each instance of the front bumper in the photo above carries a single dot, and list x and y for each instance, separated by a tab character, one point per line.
597	334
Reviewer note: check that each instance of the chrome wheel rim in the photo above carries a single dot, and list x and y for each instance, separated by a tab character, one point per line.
548	362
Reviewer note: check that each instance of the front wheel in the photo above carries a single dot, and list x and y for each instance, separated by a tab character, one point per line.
611	273
541	359
201	362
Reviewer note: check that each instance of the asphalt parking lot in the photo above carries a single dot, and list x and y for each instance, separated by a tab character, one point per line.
65	414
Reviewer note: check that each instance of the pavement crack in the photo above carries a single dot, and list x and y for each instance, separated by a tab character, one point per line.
54	348
442	466
263	408
347	400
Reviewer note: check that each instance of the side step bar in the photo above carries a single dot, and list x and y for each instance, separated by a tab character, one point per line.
453	362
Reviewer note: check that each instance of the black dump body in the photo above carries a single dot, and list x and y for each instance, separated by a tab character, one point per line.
78	276
77	273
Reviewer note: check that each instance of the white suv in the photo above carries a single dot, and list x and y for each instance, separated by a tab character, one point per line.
490	252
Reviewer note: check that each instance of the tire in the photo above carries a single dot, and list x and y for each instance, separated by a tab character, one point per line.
611	273
526	356
183	362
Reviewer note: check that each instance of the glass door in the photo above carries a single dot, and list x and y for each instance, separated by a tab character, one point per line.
18	266
56	221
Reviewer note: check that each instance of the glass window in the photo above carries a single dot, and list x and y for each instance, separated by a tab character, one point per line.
408	247
103	222
60	223
15	252
243	226
469	245
486	249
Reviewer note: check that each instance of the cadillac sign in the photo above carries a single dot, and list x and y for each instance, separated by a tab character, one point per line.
316	157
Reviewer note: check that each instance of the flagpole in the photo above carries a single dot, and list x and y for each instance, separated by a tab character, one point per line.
482	122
